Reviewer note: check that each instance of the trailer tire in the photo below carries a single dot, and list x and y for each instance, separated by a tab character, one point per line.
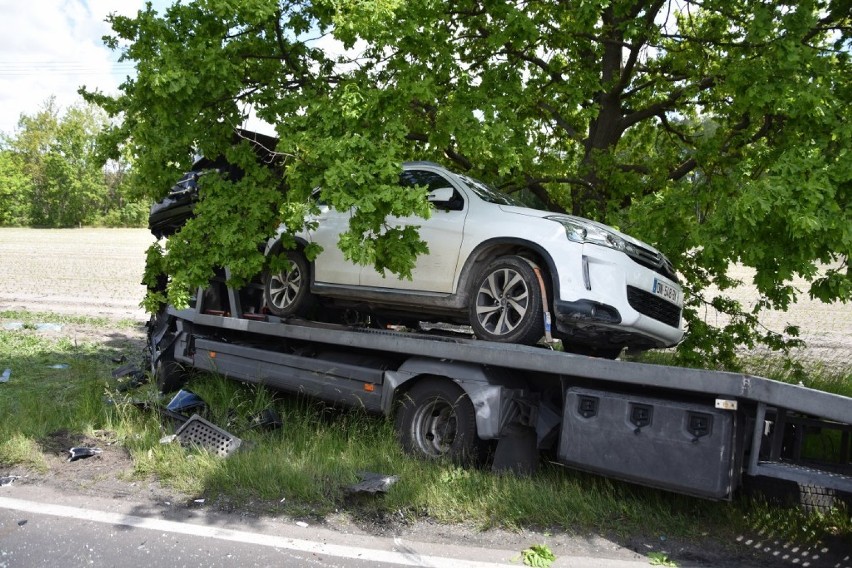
169	375
288	292
506	302
436	419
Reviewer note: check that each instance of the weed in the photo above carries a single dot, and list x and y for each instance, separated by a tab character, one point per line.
538	555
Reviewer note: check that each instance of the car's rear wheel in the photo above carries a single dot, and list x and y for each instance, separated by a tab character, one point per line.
506	302
287	292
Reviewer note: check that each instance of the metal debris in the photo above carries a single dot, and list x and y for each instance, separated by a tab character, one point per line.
199	432
81	453
373	483
7	480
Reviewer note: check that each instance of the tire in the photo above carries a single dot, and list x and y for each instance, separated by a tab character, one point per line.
287	293
169	375
506	303
436	419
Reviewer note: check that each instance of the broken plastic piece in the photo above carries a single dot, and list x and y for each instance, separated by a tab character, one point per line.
165	440
185	401
123	371
48	327
58	366
373	483
80	453
199	432
7	480
4	378
267	419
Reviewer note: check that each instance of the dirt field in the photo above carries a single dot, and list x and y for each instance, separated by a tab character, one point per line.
93	272
97	272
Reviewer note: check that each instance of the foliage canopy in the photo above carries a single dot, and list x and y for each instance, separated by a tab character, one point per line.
715	129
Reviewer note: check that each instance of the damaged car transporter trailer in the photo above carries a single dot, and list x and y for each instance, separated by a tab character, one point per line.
690	431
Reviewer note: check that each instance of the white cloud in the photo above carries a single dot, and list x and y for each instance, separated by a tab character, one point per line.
51	48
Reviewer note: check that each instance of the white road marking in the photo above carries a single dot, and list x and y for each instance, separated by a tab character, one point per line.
410	558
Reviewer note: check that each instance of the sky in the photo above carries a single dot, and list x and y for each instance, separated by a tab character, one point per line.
52	47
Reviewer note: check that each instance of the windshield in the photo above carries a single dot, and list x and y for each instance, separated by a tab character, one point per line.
488	193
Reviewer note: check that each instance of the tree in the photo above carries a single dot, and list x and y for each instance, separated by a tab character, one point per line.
55	177
15	191
714	129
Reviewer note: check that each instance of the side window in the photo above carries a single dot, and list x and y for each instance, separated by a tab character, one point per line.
432	181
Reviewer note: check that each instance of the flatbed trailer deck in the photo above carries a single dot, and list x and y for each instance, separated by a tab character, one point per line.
692	431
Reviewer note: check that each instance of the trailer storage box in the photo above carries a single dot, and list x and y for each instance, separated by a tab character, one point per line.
677	446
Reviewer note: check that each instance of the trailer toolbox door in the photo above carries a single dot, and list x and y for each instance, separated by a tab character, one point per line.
679	446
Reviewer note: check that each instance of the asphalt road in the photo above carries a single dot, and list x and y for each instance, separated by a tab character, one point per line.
87	531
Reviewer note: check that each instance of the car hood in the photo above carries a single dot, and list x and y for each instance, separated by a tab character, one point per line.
537	213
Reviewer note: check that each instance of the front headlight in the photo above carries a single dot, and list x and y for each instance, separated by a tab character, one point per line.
582	231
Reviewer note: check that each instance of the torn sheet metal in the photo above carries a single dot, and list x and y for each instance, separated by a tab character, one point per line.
373	483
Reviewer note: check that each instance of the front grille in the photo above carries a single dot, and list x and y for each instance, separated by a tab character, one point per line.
653	306
653	260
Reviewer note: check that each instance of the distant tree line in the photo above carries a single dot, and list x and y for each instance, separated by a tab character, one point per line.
51	174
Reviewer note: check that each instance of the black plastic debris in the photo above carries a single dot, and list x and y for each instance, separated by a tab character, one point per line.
7	480
173	419
185	401
119	360
373	483
82	453
267	419
124	370
4	378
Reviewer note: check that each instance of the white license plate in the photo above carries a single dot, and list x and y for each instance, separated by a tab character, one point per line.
666	291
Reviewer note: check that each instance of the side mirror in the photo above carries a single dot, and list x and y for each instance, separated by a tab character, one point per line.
440	195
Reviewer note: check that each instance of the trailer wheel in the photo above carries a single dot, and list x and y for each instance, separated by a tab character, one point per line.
287	293
169	375
436	419
506	303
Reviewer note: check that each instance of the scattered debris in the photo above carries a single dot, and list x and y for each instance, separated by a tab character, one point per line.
199	432
185	401
13	325
199	501
81	453
119	360
58	366
302	524
373	483
22	523
4	378
7	480
48	327
123	371
166	440
267	419
174	419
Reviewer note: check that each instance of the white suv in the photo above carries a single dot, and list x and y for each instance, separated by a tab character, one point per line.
498	266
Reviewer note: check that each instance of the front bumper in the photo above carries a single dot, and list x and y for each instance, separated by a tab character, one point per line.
608	298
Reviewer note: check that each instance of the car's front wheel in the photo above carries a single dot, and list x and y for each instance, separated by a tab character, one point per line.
287	292
506	302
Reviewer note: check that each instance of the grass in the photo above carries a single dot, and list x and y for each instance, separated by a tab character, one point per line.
303	468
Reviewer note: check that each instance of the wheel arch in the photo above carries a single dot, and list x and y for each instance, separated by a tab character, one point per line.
487	389
491	249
